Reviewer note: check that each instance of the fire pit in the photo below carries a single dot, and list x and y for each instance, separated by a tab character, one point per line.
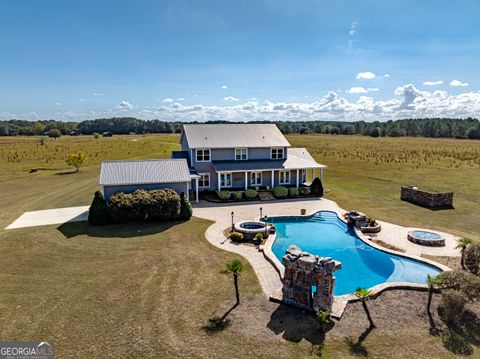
249	229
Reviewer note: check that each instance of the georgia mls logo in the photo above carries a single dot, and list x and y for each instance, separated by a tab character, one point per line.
27	350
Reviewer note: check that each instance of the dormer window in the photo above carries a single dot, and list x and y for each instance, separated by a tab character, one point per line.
277	153
203	155
241	154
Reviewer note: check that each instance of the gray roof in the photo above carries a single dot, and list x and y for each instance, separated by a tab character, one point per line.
234	135
297	158
143	172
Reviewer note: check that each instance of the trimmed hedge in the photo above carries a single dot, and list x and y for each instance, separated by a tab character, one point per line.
236	236
141	205
251	193
304	191
292	192
280	192
317	187
237	196
224	195
97	214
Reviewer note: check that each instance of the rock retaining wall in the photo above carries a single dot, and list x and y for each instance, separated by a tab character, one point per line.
304	270
426	199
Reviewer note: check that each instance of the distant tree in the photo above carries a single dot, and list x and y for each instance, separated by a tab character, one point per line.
473	133
365	295
462	244
349	130
75	159
334	130
433	283
96	135
375	132
235	267
54	133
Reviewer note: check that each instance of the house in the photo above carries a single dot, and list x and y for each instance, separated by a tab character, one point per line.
217	157
241	156
128	176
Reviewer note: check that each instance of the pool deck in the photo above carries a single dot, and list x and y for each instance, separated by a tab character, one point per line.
268	276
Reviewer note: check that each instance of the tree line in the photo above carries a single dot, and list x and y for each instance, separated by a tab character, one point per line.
414	127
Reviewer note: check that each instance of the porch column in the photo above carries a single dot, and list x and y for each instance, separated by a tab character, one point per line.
313	173
246	180
219	185
196	190
187	195
321	174
273	179
298	183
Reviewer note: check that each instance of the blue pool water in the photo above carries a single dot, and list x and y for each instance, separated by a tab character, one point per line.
325	235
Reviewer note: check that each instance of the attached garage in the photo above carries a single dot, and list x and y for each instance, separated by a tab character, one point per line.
128	176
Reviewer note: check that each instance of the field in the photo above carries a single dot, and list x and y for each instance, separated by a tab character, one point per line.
149	290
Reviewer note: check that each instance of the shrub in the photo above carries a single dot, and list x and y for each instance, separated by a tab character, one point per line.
97	214
236	236
54	133
259	237
75	159
372	222
292	192
462	280
185	208
96	135
472	258
304	191
251	193
323	318
141	205
237	196
453	304
317	187
224	195
280	192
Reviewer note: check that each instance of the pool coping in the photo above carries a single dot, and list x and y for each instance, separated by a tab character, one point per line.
340	301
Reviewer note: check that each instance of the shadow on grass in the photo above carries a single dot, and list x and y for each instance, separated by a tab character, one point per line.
128	230
218	323
357	347
65	173
296	325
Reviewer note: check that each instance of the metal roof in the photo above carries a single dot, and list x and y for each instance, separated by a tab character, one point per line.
144	171
297	158
234	135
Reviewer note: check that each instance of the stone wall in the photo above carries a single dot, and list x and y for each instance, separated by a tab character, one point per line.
426	199
304	270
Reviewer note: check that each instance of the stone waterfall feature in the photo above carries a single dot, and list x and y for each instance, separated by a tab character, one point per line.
308	281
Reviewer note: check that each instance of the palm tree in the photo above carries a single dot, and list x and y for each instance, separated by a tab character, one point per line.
235	267
432	282
364	295
462	244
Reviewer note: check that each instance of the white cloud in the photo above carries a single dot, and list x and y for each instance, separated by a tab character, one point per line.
357	90
230	98
386	75
58	104
433	83
180	99
224	87
168	100
125	106
97	94
373	89
366	75
457	83
353	29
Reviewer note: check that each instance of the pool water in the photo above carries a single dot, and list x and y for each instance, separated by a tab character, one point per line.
325	235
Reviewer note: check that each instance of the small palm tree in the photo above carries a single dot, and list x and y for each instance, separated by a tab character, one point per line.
462	244
235	267
432	282
364	295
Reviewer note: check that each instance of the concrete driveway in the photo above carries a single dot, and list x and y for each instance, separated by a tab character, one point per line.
50	216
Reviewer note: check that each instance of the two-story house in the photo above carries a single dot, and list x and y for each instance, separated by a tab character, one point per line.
217	157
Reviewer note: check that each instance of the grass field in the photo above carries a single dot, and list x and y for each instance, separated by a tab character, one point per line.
148	291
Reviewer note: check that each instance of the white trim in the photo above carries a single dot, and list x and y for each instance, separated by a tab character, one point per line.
280	177
196	189
277	148
203	175
298	178
246	154
203	154
220	180
321	174
246	180
261	178
272	184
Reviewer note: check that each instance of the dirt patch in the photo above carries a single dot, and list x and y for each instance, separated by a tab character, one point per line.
450	262
387	245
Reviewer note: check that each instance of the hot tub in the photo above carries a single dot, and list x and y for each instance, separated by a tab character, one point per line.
249	229
426	238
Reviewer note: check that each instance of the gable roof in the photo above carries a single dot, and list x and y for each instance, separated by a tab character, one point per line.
143	172
234	135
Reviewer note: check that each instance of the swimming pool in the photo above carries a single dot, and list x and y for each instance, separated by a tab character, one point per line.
325	235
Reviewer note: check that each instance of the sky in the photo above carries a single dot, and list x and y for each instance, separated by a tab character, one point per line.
239	60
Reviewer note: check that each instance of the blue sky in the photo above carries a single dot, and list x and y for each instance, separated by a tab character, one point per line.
239	60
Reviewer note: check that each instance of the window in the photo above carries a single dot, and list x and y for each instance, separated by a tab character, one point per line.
277	153
241	154
256	178
203	155
204	180
226	180
284	177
